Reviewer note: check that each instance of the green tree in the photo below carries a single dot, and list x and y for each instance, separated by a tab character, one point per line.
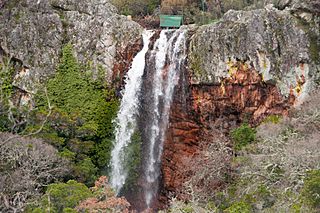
83	109
63	196
242	136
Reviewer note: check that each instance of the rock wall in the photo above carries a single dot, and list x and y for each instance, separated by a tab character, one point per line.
35	32
245	67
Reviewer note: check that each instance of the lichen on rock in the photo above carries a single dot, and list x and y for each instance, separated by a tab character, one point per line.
35	32
269	40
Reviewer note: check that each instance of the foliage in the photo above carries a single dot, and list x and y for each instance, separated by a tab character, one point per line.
60	197
67	154
133	154
239	207
85	171
193	14
311	188
103	199
80	124
209	170
190	207
242	136
136	8
102	152
82	101
272	119
6	90
69	210
277	173
6	79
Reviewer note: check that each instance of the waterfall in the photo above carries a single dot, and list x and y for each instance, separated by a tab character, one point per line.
169	54
126	117
157	72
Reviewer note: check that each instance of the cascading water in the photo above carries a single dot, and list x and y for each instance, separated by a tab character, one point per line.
170	52
157	73
126	117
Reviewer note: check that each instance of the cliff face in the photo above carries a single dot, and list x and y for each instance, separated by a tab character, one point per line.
247	66
34	32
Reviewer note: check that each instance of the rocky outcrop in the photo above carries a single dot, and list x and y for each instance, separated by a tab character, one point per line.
35	32
268	40
201	113
245	67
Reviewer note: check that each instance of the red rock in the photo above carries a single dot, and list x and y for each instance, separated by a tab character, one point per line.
242	97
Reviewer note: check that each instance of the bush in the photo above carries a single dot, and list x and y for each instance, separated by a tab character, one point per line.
239	207
6	91
242	136
136	7
82	111
133	154
311	189
275	119
103	199
80	99
85	171
60	197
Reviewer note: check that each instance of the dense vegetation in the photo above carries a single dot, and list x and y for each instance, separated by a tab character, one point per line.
81	113
72	114
55	147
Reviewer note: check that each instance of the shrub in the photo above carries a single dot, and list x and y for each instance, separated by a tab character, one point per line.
275	119
103	199
133	154
239	207
136	7
69	210
311	189
242	136
61	196
82	111
85	171
6	91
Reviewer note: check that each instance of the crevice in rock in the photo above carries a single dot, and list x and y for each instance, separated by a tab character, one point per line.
62	9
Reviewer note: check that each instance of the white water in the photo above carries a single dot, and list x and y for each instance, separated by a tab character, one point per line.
171	52
166	59
126	118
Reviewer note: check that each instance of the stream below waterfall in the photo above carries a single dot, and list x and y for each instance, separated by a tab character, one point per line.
143	117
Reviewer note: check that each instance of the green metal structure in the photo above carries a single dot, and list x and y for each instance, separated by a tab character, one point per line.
171	20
